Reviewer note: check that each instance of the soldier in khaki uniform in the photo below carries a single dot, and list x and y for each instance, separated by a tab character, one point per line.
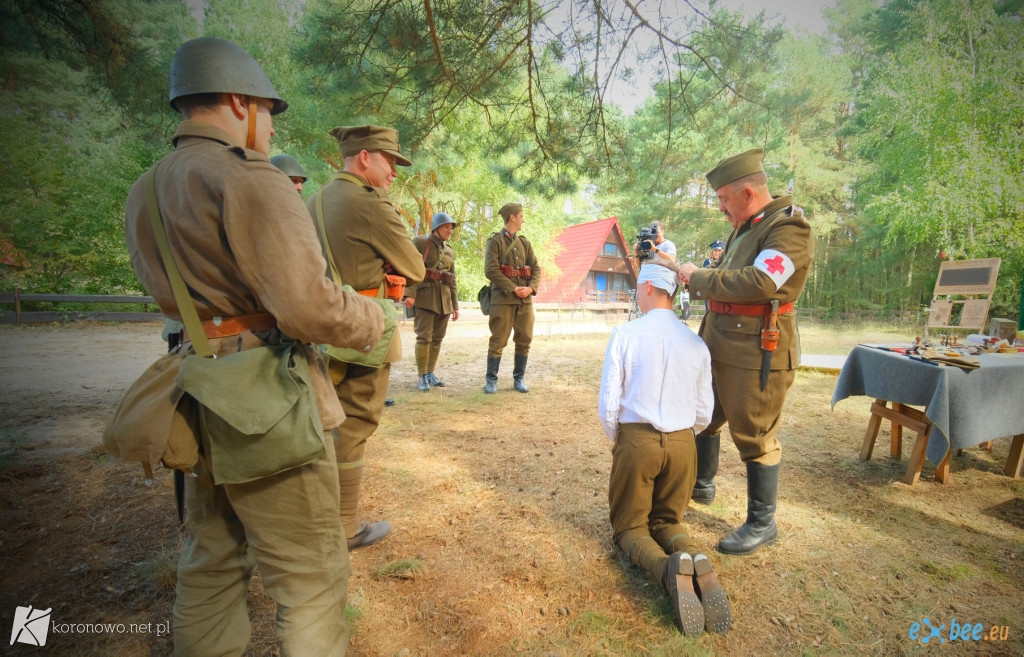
435	299
767	258
511	266
368	239
251	259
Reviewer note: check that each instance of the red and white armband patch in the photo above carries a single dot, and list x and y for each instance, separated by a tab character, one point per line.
776	264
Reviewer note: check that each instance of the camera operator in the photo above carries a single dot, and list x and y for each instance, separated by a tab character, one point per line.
651	242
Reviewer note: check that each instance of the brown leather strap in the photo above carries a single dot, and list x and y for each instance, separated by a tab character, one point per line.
250	139
744	309
229	326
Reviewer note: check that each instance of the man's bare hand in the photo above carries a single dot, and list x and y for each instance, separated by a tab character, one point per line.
522	292
455	315
685	271
409	302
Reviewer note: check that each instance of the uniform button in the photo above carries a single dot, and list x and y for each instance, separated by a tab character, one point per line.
368	347
739	326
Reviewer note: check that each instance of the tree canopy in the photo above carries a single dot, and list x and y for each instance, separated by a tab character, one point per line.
899	130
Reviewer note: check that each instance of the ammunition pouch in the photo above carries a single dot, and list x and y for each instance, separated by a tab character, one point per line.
445	277
522	272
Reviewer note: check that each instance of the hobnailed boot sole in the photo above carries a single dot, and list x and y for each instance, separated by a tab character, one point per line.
717	612
687	610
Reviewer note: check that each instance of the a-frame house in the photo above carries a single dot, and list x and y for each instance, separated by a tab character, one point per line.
595	265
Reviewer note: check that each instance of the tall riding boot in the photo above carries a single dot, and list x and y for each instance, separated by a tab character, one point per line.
432	353
518	372
422	354
707	467
493	362
759	529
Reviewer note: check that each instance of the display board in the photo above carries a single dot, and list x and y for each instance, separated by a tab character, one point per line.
963	278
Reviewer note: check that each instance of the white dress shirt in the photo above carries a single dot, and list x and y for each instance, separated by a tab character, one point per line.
656	371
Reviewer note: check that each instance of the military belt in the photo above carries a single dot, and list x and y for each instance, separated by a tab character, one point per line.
224	327
445	277
747	309
522	272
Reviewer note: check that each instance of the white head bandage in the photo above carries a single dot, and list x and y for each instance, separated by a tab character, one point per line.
660	277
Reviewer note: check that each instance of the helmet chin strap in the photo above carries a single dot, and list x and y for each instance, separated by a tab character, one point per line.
250	139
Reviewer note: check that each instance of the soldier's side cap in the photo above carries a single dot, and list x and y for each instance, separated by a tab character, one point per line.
735	167
210	65
510	209
355	138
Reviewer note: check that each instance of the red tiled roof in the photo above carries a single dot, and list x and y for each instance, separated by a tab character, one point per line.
581	244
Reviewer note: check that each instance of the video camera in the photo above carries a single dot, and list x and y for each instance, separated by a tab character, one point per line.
645	239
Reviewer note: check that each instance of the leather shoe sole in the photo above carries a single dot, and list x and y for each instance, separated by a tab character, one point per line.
687	610
717	612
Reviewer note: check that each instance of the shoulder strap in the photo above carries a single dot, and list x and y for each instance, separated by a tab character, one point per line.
322	229
345	175
510	247
186	306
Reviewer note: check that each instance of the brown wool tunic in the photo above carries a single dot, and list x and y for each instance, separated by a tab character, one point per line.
365	231
244	244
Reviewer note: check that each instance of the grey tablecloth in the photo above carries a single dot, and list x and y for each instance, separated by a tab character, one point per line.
966	408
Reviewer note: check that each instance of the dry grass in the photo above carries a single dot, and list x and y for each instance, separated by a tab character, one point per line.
501	541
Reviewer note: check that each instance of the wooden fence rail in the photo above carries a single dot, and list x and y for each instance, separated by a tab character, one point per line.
17	316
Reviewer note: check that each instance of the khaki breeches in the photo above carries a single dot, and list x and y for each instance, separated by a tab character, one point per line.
505	318
361	391
430	327
649	489
753	415
288	525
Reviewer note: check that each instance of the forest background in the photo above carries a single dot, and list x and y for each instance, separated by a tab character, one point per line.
900	130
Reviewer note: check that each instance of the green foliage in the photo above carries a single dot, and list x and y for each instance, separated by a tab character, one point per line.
900	130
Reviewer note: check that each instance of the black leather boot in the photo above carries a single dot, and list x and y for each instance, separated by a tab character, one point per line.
424	383
707	467
493	362
518	372
759	529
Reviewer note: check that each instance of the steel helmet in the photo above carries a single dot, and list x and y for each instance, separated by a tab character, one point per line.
210	65
440	219
717	244
290	166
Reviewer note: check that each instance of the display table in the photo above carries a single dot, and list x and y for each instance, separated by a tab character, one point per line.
961	408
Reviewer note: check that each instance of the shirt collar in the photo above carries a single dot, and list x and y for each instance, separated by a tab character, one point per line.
191	128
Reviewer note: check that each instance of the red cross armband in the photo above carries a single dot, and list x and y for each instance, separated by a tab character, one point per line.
776	264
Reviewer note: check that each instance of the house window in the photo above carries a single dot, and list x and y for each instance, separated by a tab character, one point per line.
611	249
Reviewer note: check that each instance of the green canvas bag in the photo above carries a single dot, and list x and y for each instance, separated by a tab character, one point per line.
255	409
484	297
258	412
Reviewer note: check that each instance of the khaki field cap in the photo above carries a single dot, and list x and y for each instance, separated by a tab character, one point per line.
352	139
735	167
210	65
509	209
